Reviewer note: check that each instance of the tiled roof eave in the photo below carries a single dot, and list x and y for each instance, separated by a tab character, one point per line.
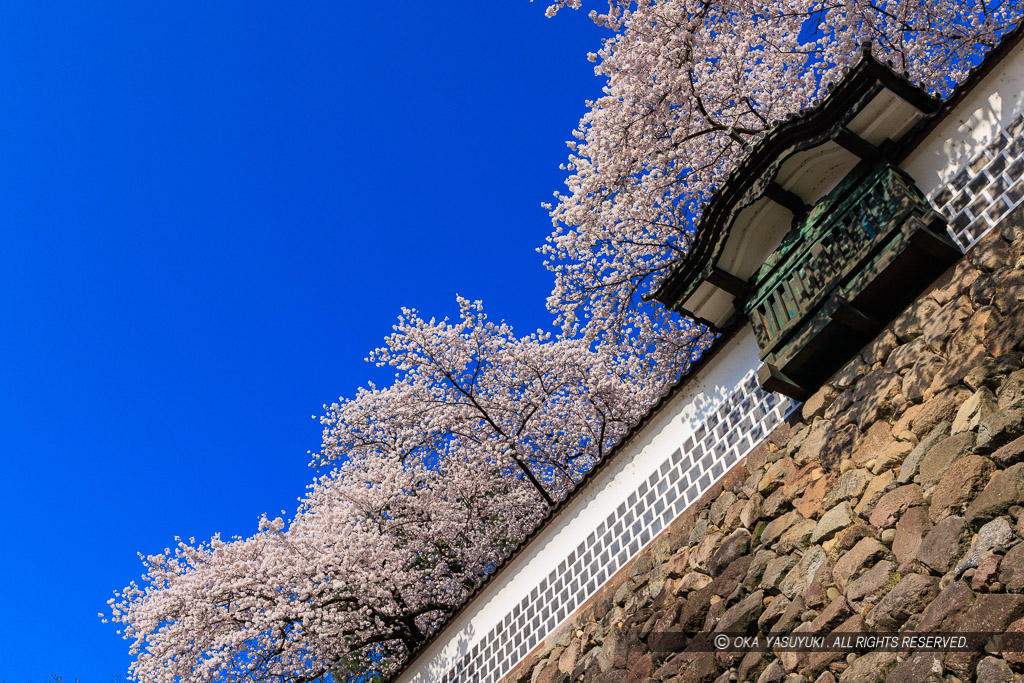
748	179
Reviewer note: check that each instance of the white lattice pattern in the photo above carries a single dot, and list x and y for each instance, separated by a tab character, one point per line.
986	189
739	423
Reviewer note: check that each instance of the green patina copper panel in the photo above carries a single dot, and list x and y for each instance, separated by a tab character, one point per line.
830	258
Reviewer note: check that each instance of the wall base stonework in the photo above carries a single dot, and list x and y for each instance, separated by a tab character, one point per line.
892	502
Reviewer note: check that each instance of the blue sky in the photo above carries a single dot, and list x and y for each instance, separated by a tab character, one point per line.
210	213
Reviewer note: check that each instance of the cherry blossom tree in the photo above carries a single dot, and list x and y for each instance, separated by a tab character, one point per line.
434	479
690	83
426	484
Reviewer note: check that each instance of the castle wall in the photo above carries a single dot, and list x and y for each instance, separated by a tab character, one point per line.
670	535
891	501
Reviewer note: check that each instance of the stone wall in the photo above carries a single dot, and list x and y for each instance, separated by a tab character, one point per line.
893	502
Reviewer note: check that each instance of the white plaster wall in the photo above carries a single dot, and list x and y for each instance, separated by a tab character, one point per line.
971	126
